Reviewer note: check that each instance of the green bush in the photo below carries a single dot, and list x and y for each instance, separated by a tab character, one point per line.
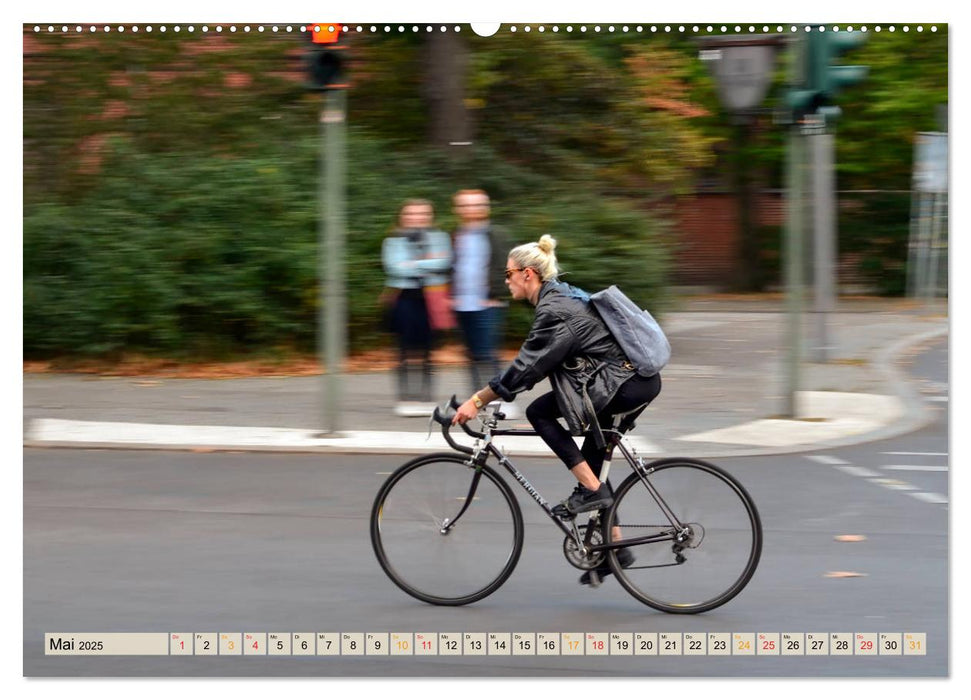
876	227
195	255
599	242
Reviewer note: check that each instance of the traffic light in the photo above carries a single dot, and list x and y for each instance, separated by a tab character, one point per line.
825	48
326	62
823	78
803	102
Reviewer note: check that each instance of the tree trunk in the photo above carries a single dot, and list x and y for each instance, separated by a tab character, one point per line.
748	273
447	62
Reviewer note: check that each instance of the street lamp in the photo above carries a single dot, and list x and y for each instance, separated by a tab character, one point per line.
742	67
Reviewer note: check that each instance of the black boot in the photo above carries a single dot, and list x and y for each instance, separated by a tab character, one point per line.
595	577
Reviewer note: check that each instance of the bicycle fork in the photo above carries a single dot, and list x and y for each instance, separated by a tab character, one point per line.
447	524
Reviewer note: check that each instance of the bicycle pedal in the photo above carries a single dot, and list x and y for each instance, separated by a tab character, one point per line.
561	512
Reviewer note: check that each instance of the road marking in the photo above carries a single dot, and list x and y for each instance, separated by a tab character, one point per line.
930	497
914	468
894	484
858	471
826	459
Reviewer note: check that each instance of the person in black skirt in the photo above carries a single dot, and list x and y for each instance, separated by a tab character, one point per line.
415	255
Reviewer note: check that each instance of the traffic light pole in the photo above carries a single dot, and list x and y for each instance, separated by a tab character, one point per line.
793	267
331	322
822	144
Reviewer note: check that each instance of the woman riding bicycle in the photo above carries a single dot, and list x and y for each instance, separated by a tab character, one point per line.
591	377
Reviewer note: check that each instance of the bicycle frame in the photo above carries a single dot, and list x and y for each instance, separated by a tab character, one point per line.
485	448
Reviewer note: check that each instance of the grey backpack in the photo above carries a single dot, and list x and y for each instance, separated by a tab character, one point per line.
634	329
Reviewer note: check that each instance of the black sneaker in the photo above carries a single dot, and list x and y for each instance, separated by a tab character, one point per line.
583	499
560	510
594	577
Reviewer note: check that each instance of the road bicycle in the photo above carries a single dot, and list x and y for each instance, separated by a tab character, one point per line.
448	530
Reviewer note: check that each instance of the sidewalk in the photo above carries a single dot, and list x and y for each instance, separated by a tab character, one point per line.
722	394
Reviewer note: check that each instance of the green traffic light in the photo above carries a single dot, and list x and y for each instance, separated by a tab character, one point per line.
828	76
844	76
823	78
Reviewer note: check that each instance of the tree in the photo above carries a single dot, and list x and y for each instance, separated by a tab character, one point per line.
444	89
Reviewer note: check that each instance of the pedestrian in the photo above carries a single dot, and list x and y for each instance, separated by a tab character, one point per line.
477	284
415	256
592	378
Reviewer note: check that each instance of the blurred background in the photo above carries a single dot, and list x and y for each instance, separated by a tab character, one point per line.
171	180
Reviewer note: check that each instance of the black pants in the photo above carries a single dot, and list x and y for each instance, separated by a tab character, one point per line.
409	321
544	411
482	331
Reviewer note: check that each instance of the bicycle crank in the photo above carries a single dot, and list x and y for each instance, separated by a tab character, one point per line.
584	560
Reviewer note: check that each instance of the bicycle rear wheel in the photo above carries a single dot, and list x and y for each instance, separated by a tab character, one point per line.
720	541
433	549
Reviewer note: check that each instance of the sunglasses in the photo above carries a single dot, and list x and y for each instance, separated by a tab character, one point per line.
514	269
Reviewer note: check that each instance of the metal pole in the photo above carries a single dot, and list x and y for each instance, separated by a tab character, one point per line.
935	246
793	267
913	240
911	288
332	314
824	206
923	243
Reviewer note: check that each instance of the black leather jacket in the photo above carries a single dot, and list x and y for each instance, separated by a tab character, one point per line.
571	345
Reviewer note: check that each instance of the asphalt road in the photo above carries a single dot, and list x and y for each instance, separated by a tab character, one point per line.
140	541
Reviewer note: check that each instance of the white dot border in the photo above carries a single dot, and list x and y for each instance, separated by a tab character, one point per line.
75	29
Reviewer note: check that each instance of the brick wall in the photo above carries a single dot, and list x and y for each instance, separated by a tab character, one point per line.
706	230
706	235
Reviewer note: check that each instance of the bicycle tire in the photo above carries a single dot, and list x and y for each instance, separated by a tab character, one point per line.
406	522
708	577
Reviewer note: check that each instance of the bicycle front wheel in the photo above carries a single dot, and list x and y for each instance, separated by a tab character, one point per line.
706	532
436	544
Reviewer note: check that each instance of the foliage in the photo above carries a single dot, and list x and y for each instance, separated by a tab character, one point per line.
171	181
875	228
906	87
599	242
187	254
176	254
604	119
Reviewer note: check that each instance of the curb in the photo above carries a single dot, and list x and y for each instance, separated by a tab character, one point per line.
916	413
916	416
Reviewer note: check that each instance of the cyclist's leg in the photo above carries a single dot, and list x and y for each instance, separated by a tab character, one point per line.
636	391
542	414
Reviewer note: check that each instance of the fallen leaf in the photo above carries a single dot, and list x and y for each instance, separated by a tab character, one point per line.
842	574
850	538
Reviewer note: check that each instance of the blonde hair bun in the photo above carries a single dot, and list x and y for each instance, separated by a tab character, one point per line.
538	256
547	243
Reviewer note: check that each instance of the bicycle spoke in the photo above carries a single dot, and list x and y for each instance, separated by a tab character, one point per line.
477	549
702	565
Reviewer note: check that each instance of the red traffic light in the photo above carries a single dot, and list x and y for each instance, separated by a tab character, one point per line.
326	61
325	32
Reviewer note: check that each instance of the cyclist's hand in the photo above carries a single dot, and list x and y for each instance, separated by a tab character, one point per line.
465	413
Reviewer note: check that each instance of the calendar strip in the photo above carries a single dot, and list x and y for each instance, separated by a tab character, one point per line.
411	644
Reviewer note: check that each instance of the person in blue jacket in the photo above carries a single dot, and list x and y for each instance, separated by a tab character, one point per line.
414	255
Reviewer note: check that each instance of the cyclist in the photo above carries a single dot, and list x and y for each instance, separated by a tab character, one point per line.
591	377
